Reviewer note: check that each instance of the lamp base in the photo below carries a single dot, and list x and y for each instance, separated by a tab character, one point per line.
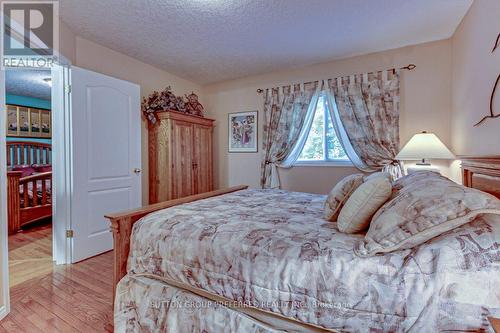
424	162
421	167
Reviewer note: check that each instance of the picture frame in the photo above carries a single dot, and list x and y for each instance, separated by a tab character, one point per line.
243	135
28	122
35	123
12	121
24	121
45	124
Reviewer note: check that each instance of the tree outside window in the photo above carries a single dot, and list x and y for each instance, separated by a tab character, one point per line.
322	144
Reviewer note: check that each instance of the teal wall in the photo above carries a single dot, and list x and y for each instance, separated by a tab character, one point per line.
27	101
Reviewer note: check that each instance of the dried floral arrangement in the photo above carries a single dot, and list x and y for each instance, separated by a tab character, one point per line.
166	100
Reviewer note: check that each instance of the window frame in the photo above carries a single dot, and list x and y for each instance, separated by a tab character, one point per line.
325	162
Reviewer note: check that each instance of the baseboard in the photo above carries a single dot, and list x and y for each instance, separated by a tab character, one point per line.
3	312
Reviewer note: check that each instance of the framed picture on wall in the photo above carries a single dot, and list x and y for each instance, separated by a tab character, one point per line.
12	120
24	122
35	123
242	132
28	122
46	130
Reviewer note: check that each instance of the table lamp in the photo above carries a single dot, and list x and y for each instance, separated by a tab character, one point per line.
422	147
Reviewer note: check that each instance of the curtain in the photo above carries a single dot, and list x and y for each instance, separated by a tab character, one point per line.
288	113
365	112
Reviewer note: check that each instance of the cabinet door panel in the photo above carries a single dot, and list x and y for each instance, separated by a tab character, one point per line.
203	166
182	159
160	163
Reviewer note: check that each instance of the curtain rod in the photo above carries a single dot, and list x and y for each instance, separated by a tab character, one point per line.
407	67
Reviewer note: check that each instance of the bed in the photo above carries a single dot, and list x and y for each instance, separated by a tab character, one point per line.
29	183
242	260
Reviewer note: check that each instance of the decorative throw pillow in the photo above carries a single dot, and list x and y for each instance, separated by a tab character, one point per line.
412	178
425	207
339	194
27	170
376	175
358	210
42	167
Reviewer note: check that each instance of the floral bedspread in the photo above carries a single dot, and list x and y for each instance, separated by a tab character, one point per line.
147	305
272	250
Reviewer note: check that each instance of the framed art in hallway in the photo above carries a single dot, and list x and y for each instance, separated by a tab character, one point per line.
242	132
28	122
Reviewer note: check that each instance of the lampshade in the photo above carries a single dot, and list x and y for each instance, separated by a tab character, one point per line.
425	146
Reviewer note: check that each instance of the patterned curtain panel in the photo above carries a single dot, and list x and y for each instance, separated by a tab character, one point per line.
367	106
285	111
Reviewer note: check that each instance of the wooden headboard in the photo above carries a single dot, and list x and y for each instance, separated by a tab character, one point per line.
28	152
482	173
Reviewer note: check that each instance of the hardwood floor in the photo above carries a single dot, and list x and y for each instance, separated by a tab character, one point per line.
63	298
30	254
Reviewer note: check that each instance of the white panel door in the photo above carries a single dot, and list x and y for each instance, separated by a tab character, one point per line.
106	157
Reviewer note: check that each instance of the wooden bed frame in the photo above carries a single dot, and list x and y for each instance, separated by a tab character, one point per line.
27	153
482	173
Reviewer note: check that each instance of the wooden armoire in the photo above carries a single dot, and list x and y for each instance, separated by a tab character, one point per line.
180	156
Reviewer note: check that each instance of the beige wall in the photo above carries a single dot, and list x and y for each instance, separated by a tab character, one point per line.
89	55
474	72
455	74
100	59
425	105
67	44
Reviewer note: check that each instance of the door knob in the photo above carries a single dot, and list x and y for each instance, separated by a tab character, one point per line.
137	170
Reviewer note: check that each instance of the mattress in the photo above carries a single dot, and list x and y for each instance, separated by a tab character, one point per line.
272	251
148	304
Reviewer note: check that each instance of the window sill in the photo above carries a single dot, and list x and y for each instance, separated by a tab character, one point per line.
323	164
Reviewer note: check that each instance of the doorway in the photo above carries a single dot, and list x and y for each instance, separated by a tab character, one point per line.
95	156
28	95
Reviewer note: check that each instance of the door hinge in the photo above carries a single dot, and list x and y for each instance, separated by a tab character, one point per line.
69	233
67	88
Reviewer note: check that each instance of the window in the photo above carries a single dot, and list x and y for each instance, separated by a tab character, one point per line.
322	144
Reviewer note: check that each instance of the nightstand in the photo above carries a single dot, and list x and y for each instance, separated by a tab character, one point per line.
494	325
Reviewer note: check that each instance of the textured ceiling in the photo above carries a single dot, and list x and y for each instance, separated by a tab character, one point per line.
28	83
213	40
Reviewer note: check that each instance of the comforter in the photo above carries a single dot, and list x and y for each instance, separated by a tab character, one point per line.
272	250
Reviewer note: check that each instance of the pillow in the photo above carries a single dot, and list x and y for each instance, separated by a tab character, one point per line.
376	175
412	178
358	210
27	170
339	194
398	184
42	167
425	207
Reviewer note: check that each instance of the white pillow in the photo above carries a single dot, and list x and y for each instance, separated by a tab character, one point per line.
377	174
359	209
339	194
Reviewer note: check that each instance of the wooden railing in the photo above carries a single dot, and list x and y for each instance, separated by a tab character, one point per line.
35	180
21	212
27	153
